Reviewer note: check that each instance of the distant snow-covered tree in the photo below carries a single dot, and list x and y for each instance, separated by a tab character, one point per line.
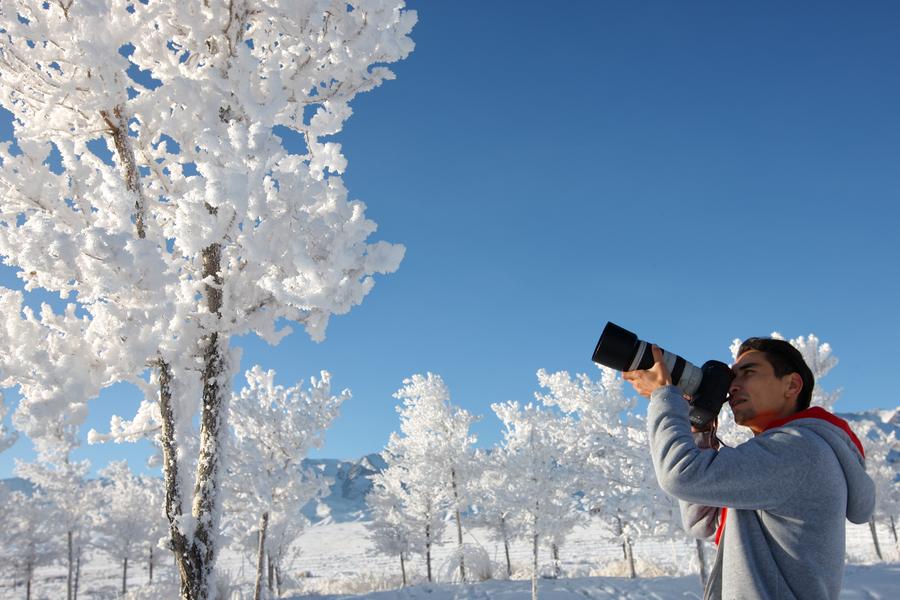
541	482
63	483
128	520
7	437
30	536
883	466
610	451
436	448
424	503
147	185
391	530
286	523
493	505
273	429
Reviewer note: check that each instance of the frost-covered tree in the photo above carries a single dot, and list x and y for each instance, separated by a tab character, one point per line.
883	466
541	482
148	186
493	507
611	452
267	540
273	430
63	483
29	537
128	520
436	448
416	475
391	530
7	437
422	499
285	526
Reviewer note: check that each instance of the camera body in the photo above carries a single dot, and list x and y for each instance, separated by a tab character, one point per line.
707	386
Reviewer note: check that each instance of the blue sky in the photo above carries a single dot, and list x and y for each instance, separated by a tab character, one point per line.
693	171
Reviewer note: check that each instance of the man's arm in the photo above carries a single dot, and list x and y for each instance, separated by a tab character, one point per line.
698	520
759	474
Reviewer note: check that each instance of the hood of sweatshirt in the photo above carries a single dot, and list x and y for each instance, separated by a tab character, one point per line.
850	454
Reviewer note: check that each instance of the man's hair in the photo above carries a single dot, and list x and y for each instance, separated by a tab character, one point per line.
785	359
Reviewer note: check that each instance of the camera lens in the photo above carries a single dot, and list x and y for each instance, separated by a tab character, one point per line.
621	350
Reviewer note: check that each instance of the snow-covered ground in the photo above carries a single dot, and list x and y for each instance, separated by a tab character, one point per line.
860	583
336	560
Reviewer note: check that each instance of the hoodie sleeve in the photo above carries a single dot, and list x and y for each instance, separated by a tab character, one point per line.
861	505
759	474
698	520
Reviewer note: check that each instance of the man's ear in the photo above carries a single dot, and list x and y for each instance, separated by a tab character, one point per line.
795	385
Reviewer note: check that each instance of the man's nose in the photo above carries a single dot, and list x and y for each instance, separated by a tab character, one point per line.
733	387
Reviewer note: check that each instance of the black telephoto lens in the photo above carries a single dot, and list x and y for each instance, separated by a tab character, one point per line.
621	350
617	347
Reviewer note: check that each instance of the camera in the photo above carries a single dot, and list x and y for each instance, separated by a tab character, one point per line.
707	386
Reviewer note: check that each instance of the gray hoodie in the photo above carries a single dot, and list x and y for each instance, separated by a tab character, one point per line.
788	492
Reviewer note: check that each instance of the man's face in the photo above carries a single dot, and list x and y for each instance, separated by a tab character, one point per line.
757	396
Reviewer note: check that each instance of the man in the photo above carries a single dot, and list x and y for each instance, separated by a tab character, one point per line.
787	491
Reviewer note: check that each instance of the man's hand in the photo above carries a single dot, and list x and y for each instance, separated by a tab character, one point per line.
657	376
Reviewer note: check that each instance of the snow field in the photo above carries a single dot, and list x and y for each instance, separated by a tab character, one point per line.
879	582
340	554
341	562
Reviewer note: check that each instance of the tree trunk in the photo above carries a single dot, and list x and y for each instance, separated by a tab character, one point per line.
620	533
270	575
188	569
894	531
459	538
629	553
428	551
554	552
124	574
506	547
77	574
403	569
702	560
277	580
70	565
117	128
212	429
29	574
875	539
260	554
534	550
534	562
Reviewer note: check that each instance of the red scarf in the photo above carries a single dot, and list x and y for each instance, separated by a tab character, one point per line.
816	412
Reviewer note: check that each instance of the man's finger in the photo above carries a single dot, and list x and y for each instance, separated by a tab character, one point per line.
657	353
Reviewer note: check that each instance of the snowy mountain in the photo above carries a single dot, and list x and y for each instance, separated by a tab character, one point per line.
889	418
17	484
346	499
